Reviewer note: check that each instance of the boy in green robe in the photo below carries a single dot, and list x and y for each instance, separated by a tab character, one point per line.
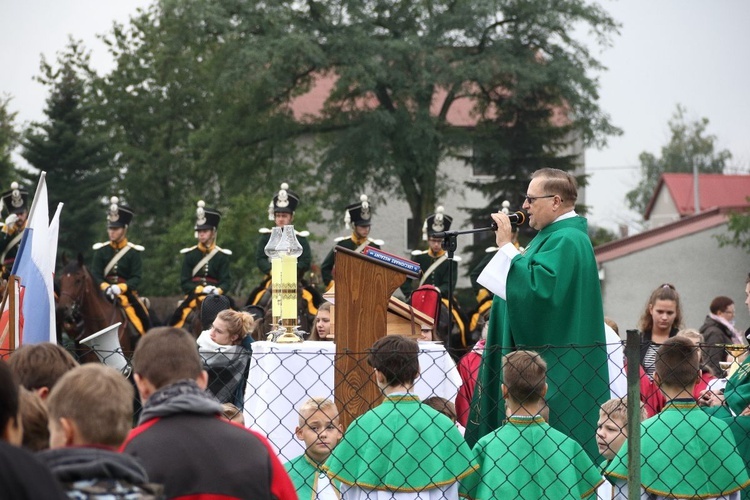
320	430
402	448
684	452
526	458
611	433
547	296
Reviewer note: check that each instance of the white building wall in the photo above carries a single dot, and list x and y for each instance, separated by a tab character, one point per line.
664	210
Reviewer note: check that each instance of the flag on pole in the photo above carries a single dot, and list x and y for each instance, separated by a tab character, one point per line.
35	266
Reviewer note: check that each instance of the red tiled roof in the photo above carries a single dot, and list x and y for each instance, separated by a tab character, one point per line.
461	113
668	232
715	190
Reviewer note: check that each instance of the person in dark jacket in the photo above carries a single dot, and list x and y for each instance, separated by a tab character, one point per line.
182	440
718	331
22	477
88	421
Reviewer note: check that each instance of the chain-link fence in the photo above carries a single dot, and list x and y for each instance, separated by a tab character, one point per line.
550	423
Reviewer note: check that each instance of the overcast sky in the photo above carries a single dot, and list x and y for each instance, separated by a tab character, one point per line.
691	52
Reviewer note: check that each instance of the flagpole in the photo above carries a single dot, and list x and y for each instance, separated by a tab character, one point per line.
34	202
13	283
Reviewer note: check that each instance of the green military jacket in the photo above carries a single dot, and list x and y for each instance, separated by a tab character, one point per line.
303	262
441	277
128	269
9	250
215	272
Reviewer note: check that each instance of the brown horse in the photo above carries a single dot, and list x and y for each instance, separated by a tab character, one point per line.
85	309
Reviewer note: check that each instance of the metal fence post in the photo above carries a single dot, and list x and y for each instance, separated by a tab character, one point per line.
633	356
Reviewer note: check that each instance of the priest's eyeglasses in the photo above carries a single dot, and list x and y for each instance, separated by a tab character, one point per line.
532	199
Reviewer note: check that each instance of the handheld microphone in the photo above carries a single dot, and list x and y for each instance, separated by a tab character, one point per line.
516	219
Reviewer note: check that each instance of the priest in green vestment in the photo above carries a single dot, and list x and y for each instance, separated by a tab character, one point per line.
547	299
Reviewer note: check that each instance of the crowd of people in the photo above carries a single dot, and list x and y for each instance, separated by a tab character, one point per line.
548	422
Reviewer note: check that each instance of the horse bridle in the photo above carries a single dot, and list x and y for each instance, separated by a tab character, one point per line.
72	313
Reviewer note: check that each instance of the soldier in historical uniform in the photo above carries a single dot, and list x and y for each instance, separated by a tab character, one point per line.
358	218
117	266
436	269
15	202
281	211
484	296
205	267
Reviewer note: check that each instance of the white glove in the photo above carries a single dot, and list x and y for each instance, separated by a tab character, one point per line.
113	291
210	289
11	220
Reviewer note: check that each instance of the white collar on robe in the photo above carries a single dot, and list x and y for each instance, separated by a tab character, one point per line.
568	215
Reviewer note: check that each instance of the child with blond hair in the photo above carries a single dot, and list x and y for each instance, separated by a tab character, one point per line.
320	430
90	414
611	432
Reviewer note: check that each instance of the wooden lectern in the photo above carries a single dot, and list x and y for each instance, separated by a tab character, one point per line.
363	288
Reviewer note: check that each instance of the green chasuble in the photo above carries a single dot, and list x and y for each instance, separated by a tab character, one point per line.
401	445
737	390
305	474
740	427
554	306
685	454
526	458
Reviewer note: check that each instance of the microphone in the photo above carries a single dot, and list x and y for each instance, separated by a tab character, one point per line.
516	219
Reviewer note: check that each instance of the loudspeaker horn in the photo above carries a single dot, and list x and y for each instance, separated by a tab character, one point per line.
106	344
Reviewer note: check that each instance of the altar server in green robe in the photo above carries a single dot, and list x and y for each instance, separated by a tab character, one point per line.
549	295
401	449
684	452
320	430
526	458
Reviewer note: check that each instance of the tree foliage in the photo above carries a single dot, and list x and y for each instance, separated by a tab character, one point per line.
739	231
8	140
689	147
70	148
418	82
200	105
195	113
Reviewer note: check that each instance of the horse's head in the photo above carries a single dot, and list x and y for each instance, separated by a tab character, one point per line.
75	284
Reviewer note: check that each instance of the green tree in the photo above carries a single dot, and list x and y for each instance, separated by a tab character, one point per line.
689	146
404	71
8	140
739	231
69	147
195	112
199	104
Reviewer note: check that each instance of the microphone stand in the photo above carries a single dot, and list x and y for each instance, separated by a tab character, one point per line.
450	244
